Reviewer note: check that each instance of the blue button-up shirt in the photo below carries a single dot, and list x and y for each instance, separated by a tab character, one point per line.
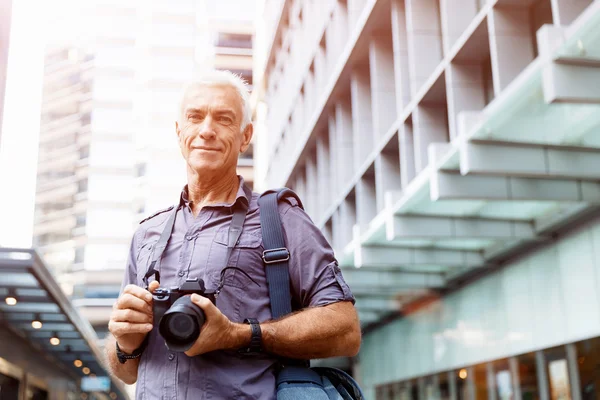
197	249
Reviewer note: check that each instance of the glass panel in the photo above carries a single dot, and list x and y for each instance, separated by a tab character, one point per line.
444	386
588	352
34	393
460	377
431	389
503	380
9	388
558	373
528	377
481	382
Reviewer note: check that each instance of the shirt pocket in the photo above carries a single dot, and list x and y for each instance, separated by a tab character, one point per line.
247	247
236	285
144	257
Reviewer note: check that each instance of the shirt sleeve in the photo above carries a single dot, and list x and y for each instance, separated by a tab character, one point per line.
130	277
316	278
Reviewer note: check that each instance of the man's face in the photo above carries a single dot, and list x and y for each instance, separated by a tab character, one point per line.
209	130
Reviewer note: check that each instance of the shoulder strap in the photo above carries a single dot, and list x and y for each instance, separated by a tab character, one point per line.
276	255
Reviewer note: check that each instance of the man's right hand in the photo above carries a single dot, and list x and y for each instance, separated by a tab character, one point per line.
131	318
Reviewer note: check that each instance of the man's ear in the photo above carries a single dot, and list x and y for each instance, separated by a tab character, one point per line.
177	130
246	137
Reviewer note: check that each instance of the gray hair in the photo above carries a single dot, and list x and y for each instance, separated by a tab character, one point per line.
225	78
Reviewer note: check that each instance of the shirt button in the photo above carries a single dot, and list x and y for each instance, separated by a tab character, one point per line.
171	356
181	273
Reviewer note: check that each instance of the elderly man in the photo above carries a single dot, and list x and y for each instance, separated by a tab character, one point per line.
213	128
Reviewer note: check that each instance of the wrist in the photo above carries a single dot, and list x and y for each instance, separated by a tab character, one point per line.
126	349
240	336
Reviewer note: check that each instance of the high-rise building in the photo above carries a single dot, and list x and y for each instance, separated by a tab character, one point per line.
5	18
84	212
109	155
449	150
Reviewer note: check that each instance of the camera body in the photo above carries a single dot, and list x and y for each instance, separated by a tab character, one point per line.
179	321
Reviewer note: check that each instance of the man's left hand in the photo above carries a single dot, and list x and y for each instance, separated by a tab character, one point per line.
218	332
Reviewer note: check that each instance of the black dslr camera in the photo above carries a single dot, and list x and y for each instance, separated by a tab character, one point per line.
179	320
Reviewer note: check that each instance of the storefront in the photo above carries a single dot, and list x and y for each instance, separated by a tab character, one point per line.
558	373
47	351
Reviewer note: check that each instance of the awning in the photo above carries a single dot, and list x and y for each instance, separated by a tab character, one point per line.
525	166
34	307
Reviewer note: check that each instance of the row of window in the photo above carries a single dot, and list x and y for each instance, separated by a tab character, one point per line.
569	372
9	390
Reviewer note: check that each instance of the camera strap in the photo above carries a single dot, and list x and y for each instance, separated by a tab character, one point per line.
240	209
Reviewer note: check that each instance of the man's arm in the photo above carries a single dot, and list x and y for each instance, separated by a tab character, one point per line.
319	332
126	372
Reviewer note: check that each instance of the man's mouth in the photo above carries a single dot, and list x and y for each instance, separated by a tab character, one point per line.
204	148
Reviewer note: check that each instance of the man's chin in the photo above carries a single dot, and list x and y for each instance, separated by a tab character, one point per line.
211	168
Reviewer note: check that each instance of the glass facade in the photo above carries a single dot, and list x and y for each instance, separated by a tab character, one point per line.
566	372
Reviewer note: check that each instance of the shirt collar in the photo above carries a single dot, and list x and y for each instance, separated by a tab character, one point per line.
240	196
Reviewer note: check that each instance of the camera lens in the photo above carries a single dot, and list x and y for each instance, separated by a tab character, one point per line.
180	325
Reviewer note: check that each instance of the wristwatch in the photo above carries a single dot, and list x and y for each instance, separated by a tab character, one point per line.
255	346
123	357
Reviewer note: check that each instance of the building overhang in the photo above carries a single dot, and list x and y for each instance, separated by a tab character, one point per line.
517	172
25	278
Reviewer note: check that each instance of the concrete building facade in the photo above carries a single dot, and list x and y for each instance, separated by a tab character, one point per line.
448	149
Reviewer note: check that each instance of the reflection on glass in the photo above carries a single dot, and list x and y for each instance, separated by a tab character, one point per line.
481	382
461	385
503	380
560	388
444	386
431	389
504	385
528	377
588	352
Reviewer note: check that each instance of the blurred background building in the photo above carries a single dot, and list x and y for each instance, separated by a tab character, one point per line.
5	18
449	149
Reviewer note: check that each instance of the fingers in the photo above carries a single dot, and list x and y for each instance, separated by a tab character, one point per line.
129	301
138	292
119	329
133	316
153	286
205	304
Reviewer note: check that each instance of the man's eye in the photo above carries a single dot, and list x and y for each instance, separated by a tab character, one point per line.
195	118
225	120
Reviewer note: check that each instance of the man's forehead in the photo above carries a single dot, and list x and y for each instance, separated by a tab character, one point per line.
210	95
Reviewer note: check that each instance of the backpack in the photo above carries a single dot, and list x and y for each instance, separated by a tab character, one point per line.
297	380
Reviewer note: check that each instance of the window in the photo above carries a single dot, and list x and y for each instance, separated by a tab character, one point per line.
234	40
558	373
82	186
588	356
9	387
140	169
528	377
79	255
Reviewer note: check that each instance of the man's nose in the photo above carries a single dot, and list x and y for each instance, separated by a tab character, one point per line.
207	129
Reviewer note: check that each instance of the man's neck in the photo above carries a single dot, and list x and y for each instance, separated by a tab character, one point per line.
204	192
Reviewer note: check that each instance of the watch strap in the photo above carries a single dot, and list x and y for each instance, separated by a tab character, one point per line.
123	357
255	346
